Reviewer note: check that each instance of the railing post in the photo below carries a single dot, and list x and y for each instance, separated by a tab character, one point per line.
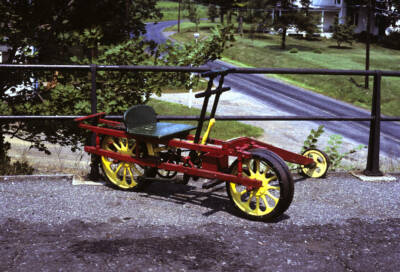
375	130
94	159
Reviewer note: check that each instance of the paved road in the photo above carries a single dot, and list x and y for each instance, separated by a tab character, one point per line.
333	224
299	102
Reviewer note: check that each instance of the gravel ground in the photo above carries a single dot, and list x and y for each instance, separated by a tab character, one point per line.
335	224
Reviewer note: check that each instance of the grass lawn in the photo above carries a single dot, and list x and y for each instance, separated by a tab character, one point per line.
264	51
222	129
170	10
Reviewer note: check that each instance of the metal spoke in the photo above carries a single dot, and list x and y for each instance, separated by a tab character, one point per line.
250	197
258	210
243	192
273	178
275	199
132	148
133	182
107	162
267	207
121	143
124	177
257	162
136	170
118	168
116	146
274	188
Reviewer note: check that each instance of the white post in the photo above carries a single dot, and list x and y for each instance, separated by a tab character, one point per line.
190	98
322	21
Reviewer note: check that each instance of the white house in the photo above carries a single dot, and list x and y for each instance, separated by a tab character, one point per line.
330	9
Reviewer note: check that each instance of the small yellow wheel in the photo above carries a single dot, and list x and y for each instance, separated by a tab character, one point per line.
321	161
124	175
273	198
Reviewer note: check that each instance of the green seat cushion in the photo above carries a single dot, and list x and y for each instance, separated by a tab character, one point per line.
161	130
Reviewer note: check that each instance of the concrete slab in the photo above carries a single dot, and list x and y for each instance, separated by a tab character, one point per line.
384	178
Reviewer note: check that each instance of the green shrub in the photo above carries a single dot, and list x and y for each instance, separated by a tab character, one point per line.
294	50
16	168
317	51
8	168
332	149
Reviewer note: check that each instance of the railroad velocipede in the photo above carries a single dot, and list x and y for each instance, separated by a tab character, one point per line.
258	181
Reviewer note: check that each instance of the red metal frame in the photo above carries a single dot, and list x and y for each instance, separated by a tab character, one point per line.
214	156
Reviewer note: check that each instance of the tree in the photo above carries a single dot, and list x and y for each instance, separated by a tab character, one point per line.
70	96
343	33
223	5
193	14
258	14
287	13
212	12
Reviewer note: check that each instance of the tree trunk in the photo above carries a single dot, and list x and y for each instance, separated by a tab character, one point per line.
221	15
240	27
4	147
179	16
283	42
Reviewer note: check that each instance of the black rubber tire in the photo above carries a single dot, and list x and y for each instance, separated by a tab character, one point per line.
285	181
141	185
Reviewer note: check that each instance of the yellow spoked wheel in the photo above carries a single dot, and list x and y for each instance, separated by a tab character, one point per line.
321	160
122	174
273	198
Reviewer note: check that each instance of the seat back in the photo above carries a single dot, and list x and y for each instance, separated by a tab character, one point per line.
139	115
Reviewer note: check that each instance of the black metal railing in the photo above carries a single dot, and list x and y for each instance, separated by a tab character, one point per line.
372	167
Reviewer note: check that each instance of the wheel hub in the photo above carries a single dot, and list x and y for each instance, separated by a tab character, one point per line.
264	186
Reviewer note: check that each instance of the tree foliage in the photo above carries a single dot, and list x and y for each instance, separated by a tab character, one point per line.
192	12
49	31
212	12
47	24
343	33
386	13
287	13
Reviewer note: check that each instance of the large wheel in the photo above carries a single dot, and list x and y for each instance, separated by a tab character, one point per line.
124	175
321	161
273	198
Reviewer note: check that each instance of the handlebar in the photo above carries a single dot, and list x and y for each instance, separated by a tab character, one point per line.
217	72
98	115
221	90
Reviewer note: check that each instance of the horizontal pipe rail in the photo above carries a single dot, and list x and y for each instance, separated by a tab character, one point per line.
196	118
197	69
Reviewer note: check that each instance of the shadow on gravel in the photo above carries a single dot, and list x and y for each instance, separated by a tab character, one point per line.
215	199
354	245
299	179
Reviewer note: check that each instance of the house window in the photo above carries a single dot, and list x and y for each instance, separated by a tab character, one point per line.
354	18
